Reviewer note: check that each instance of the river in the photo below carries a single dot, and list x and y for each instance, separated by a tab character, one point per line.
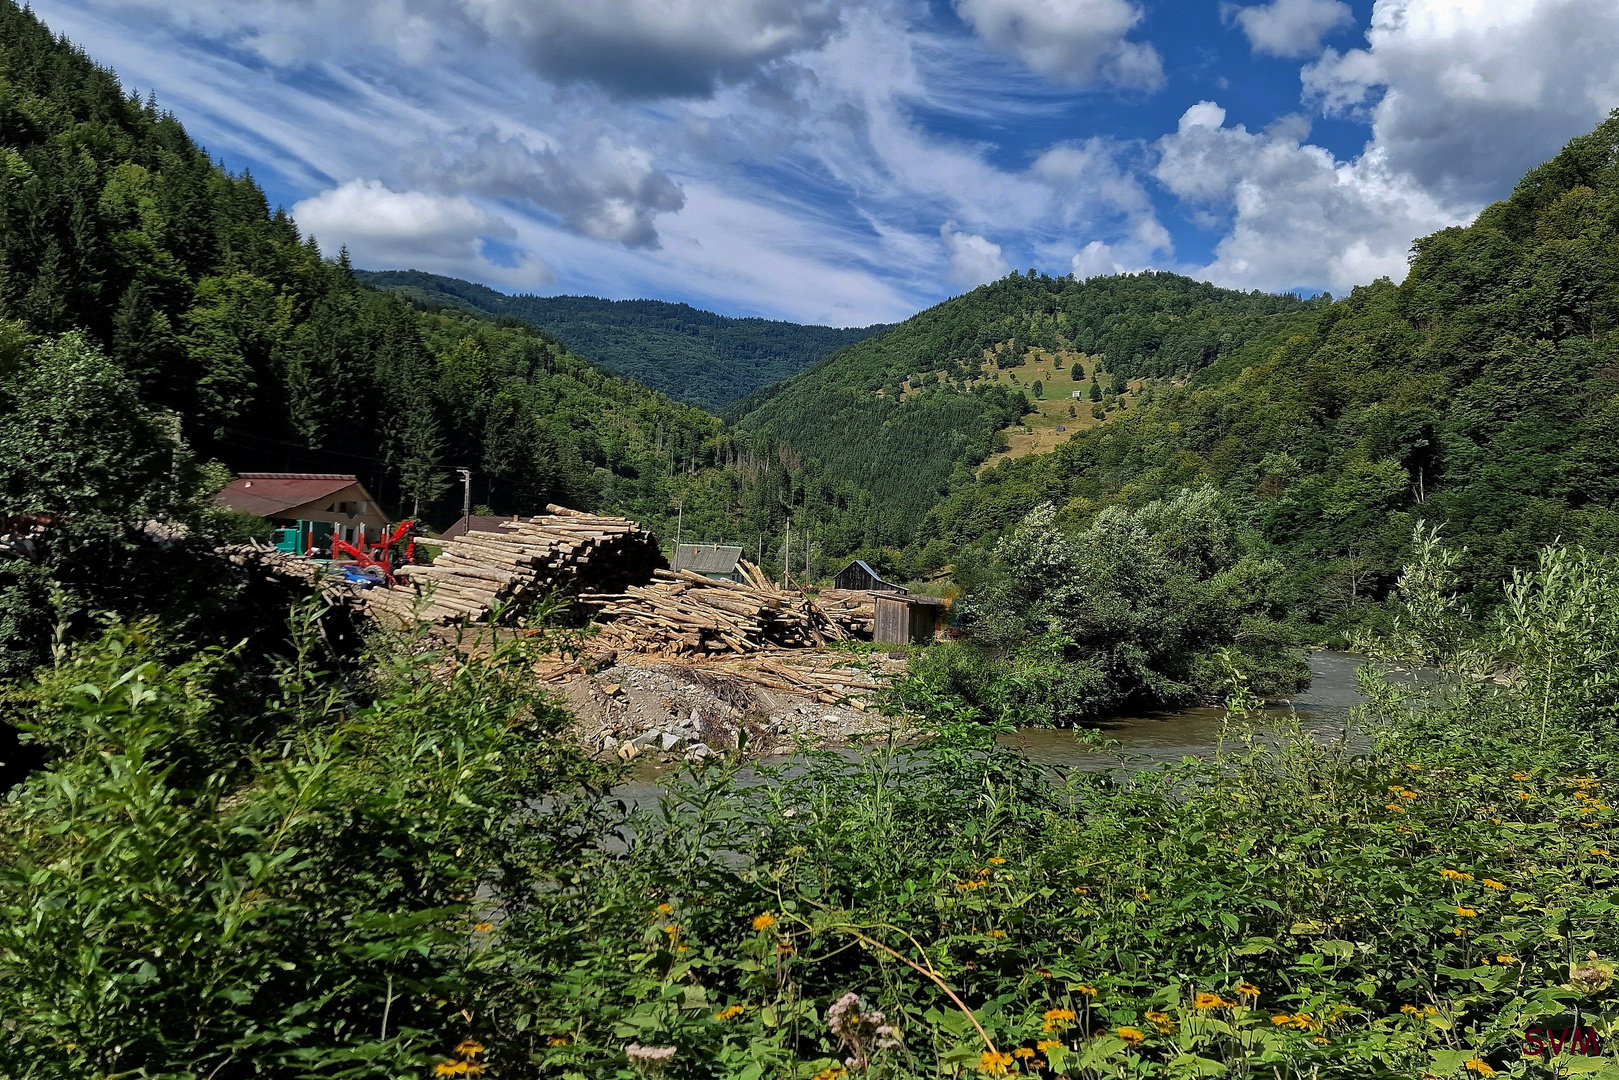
1136	741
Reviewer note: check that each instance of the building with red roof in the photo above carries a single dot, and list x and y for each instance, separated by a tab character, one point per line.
288	498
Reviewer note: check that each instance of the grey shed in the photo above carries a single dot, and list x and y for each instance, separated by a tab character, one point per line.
710	560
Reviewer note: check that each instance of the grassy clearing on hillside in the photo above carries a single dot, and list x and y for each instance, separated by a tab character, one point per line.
1056	407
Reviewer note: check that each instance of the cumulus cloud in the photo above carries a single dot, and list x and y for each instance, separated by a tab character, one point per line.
646	48
1295	216
1465	95
1075	41
383	227
973	260
1289	27
600	189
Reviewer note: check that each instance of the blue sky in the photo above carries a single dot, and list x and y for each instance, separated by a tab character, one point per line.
850	161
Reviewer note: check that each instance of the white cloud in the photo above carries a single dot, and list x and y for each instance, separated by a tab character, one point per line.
1294	216
630	48
602	189
1465	95
1075	41
973	260
1289	27
383	227
656	47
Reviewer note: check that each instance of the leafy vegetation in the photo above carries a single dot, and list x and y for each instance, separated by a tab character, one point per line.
691	355
1149	608
1477	394
364	879
909	413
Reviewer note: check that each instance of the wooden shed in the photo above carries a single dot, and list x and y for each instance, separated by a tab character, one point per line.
859	577
904	620
710	560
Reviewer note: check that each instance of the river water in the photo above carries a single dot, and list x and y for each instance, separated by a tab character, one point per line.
1135	741
1155	738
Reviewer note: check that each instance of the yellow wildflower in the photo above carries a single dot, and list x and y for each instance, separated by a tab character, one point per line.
444	1068
995	933
1143	894
764	921
1466	912
1081	890
1506	958
1520	776
1455	875
994	1063
835	1072
1601	852
1322	1039
469	1048
1478	1065
1394	808
664	909
1133	1036
1525	795
483	927
1045	1046
1411	1009
1057	1020
1247	989
1088	991
557	1040
671	929
729	1012
1162	1021
1408	795
968	886
1491	883
1206	1000
996	860
1023	1052
1282	1019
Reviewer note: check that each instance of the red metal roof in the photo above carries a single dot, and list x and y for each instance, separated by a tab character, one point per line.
267	494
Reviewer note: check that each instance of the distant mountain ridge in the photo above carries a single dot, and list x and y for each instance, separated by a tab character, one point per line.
690	354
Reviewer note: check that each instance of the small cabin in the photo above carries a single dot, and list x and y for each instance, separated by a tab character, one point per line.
907	620
710	560
318	504
859	577
1080	394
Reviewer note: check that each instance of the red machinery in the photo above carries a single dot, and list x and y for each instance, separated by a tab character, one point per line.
375	560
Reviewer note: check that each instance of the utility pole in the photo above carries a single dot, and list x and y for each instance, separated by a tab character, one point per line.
680	517
466	500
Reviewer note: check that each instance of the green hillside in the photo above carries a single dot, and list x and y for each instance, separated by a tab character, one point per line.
1481	394
909	412
692	355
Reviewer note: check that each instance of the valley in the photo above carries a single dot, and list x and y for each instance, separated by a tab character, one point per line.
1114	677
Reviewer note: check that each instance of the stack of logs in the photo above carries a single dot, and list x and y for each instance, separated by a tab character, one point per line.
563	551
683	613
854	610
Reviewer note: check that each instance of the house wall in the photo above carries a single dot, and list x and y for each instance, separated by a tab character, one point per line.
348	510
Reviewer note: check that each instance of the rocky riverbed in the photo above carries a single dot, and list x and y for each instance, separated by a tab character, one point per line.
669	712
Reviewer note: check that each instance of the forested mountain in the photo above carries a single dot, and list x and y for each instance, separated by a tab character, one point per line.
1481	394
692	355
909	412
270	355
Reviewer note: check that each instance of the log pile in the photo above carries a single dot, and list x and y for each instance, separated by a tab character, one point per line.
685	614
562	551
854	610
